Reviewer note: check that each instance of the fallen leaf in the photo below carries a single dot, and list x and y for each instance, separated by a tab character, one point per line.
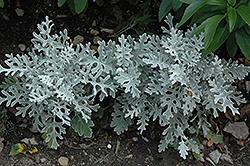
240	142
129	156
204	142
17	148
117	146
210	142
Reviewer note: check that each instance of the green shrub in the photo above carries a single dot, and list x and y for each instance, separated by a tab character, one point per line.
221	21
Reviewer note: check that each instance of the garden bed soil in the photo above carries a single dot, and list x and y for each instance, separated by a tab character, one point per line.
105	147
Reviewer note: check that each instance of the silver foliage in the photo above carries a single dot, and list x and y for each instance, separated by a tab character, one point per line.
159	78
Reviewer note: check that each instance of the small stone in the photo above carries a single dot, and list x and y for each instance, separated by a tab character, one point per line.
22	47
134	139
72	157
110	31
238	129
63	161
43	160
215	156
93	23
34	129
19	12
96	39
94	32
78	39
227	158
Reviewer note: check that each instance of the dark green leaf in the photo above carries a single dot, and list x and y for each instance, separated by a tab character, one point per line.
247	29
187	1
191	10
244	12
231	2
176	5
80	5
231	45
210	29
165	7
220	36
143	19
232	17
145	6
200	28
1	3
81	126
71	6
222	3
200	17
60	2
99	2
243	40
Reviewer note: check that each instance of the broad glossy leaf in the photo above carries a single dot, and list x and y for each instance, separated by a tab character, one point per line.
200	28
187	1
217	2
71	6
80	5
247	29
200	17
243	40
99	2
231	2
210	29
231	45
165	7
244	12
220	37
191	10
176	4
60	2
232	17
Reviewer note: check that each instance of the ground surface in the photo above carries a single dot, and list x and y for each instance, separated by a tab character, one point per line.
134	149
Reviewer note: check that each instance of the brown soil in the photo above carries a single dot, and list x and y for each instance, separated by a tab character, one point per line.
134	149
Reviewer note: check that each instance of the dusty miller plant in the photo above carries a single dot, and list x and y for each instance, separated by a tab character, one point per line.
160	78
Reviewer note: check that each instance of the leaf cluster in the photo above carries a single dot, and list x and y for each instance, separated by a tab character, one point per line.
221	21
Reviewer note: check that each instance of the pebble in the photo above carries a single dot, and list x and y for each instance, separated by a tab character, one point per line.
43	160
94	32
19	12
238	129
110	31
96	39
63	161
93	23
134	139
78	39
22	47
